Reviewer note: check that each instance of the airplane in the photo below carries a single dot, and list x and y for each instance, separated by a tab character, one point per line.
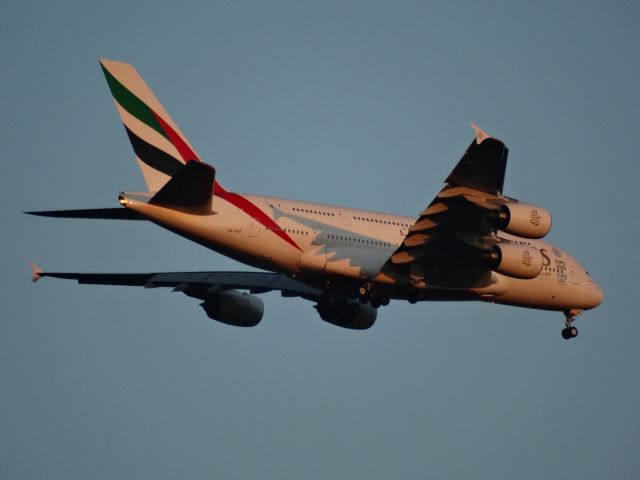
470	243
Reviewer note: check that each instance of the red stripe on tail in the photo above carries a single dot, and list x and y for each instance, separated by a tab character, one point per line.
233	198
183	149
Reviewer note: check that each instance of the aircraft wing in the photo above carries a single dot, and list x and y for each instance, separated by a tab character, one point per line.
194	284
444	246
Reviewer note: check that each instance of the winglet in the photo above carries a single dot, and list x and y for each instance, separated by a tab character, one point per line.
481	135
36	272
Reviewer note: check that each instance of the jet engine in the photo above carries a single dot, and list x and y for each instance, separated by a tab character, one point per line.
527	221
346	313
514	260
234	308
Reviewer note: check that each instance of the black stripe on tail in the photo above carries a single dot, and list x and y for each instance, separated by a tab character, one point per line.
153	156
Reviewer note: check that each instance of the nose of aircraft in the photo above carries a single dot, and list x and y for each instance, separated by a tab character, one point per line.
595	295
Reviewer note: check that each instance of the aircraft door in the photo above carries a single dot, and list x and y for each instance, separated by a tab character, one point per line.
254	229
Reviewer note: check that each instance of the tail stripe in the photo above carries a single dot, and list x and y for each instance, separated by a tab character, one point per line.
185	150
147	133
132	104
136	107
160	147
152	156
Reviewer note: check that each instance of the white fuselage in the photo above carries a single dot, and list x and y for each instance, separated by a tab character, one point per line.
322	244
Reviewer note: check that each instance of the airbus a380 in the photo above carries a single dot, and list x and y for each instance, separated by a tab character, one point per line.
470	243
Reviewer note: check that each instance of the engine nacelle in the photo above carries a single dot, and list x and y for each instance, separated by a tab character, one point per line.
513	260
234	308
527	221
347	313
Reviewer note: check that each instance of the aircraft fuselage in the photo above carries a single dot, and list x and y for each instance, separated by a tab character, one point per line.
340	248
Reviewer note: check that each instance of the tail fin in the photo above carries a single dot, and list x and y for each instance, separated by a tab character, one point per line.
160	147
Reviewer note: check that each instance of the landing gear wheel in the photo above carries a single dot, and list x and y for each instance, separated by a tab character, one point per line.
565	334
573	331
375	303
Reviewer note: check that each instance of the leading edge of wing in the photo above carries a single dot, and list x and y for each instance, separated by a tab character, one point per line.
183	281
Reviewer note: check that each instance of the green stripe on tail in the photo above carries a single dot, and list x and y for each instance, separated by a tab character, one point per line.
131	103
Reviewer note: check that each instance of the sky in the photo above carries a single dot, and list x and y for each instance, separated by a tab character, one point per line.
362	104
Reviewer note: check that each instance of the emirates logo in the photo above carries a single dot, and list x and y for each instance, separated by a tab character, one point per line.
526	258
534	217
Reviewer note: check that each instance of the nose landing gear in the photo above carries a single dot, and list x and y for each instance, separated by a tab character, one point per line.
570	331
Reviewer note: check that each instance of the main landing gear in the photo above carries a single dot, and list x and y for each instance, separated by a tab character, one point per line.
570	331
373	298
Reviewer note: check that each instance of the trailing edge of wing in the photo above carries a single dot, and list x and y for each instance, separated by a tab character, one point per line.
117	213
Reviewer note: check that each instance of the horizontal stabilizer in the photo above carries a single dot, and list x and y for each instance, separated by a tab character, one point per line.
190	187
127	279
117	213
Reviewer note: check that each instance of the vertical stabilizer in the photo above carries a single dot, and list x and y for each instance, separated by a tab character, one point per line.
160	147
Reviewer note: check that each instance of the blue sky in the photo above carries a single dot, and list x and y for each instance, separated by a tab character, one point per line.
365	104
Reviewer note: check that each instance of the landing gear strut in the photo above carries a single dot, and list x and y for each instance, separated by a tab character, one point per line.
570	331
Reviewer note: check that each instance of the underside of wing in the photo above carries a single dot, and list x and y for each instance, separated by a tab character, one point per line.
445	246
194	284
223	298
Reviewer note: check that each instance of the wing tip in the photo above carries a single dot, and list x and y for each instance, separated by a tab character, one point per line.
481	135
36	272
106	62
